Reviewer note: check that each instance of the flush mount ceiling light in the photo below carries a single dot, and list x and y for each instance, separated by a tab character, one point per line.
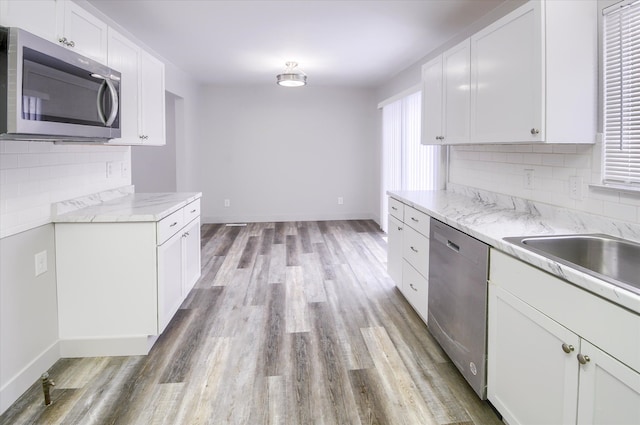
292	76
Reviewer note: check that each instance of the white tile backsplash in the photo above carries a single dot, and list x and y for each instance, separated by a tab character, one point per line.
34	175
500	168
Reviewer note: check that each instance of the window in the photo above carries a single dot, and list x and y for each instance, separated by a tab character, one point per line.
621	54
406	164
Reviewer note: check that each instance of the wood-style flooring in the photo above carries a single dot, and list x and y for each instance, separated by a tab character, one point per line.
290	323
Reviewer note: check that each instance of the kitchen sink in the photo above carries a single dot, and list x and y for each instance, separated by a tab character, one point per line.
612	259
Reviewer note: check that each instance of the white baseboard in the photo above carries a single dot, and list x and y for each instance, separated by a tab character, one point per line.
31	373
105	347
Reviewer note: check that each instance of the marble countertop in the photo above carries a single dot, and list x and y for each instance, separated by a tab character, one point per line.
490	221
122	206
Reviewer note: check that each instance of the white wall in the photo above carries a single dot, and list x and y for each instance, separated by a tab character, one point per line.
288	154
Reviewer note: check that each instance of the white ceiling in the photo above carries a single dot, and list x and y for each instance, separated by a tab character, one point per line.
358	42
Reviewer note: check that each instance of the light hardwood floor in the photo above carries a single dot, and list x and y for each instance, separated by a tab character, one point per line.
290	323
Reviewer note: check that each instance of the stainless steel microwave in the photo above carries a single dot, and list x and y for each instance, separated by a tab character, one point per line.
50	93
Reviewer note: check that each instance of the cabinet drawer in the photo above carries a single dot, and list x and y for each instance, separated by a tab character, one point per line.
169	225
415	250
396	209
192	211
601	322
415	288
417	219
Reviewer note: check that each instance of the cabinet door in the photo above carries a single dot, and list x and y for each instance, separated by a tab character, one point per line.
531	379
169	279
415	288
506	78
432	102
87	33
191	255
124	56
152	98
609	390
456	101
394	250
35	16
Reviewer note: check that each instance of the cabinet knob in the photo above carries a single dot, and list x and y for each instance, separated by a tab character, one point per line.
567	348
399	228
582	359
535	131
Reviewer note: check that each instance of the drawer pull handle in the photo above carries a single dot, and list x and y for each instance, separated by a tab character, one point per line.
413	287
567	348
415	219
174	223
453	246
582	359
394	208
192	211
414	250
399	228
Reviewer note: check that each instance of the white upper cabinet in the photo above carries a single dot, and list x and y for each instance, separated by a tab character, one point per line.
534	75
446	97
124	56
152	113
34	16
432	101
81	31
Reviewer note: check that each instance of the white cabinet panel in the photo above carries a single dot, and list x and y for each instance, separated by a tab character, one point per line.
526	362
191	256
415	288
416	250
534	75
169	279
396	209
35	16
124	56
152	113
609	390
432	102
81	31
417	220
394	250
507	77
456	96
446	97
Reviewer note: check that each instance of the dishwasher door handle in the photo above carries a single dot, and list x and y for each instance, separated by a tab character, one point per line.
452	246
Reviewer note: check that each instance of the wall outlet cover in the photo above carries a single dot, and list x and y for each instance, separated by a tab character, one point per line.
41	262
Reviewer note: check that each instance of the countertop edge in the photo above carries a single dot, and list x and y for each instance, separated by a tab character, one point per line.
431	206
136	207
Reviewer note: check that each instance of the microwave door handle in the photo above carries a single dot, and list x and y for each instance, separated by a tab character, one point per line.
114	102
101	90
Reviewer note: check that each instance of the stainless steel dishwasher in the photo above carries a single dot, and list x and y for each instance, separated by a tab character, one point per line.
457	313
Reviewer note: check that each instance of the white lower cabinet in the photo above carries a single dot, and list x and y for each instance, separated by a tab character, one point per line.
546	351
120	283
408	253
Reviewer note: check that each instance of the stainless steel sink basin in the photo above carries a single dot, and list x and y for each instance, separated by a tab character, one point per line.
612	259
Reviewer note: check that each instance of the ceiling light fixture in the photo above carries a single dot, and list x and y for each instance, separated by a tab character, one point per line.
292	76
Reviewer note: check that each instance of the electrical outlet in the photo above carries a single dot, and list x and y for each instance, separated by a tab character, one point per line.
227	203
124	170
340	200
528	178
575	187
41	262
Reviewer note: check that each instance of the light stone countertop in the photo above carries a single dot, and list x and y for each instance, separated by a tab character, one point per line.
121	206
491	217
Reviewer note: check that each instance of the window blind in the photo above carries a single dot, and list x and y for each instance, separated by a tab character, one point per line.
406	164
621	44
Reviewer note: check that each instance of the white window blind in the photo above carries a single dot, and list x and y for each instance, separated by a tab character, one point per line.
621	44
406	164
